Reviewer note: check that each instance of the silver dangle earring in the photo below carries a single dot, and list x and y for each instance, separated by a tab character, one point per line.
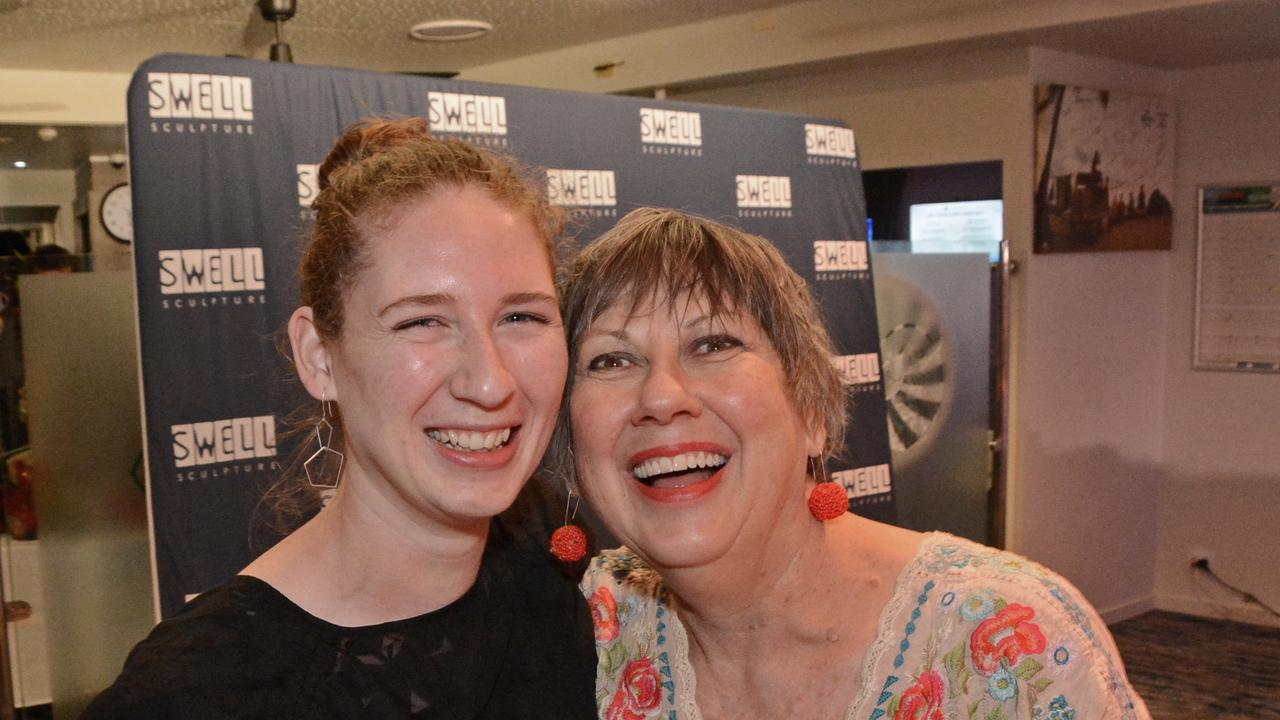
317	466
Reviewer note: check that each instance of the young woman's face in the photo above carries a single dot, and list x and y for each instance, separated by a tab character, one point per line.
451	361
686	438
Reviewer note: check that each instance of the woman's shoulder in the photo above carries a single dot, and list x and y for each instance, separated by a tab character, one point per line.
996	629
641	647
221	644
951	564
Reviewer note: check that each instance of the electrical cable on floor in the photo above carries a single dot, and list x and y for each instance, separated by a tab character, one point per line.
1203	566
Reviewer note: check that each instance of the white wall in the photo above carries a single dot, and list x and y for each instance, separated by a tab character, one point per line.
1092	392
63	98
1088	334
1222	494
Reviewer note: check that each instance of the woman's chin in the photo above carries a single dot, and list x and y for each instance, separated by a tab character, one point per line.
682	548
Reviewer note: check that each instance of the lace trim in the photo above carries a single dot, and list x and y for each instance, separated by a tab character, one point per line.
686	681
884	630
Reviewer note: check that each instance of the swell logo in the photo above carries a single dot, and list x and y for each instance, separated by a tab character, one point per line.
209	97
211	270
582	188
462	113
829	141
764	191
840	255
222	441
865	481
862	369
308	183
670	132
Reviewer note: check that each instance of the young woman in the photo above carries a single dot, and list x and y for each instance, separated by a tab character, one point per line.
702	404
430	338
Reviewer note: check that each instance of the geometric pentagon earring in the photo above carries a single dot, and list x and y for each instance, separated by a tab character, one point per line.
320	467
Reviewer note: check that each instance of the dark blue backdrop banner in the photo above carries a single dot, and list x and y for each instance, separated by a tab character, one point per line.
224	156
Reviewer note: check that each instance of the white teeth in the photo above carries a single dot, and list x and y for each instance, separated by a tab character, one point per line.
471	440
684	461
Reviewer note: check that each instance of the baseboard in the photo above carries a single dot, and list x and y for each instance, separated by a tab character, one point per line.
1237	611
1124	611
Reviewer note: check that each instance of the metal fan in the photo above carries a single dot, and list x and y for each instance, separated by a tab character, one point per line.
916	354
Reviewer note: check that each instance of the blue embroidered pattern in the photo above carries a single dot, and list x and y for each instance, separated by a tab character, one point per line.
899	659
668	683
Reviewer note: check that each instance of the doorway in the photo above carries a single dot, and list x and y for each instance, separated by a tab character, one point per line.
940	265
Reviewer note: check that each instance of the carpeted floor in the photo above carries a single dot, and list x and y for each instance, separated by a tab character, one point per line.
1193	668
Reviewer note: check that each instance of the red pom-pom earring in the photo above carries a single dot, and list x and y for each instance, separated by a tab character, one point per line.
827	500
569	542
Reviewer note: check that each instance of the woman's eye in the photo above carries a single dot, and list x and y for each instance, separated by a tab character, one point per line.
715	344
609	361
419	322
524	317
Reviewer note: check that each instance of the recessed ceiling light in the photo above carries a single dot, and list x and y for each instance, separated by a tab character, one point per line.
19	163
449	30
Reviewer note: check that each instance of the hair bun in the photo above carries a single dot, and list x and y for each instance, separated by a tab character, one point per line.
367	138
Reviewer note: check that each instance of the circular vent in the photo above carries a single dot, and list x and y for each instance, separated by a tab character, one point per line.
916	354
449	30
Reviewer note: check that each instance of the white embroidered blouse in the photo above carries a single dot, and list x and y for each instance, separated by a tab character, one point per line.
971	633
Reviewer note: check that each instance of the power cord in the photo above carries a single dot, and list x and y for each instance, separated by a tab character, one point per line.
1202	564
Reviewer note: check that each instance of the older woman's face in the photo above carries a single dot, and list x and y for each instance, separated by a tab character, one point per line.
452	360
687	441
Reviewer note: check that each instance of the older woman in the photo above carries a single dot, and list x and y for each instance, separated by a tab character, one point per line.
430	338
702	404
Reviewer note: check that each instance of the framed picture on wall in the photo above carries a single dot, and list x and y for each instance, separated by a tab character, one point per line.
1104	170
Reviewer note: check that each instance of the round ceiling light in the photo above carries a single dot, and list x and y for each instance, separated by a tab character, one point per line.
449	30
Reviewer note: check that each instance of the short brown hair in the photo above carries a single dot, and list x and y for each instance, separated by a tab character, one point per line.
653	253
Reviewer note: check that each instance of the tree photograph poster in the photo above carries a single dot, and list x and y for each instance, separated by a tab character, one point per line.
1104	171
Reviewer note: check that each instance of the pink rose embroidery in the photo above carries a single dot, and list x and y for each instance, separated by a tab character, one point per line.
922	701
1009	634
637	693
604	614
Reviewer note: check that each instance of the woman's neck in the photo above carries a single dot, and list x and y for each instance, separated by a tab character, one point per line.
363	560
784	633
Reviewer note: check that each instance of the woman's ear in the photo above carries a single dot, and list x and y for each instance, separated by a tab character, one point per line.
311	356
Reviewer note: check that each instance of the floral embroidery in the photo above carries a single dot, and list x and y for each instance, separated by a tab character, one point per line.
979	652
922	701
978	606
604	614
1061	655
1002	685
1007	636
638	692
1058	710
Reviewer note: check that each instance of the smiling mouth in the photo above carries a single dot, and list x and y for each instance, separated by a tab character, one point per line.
678	470
471	440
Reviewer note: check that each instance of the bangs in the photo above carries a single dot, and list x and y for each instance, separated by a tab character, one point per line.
668	258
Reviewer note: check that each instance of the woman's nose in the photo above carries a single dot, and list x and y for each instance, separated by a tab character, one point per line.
665	394
483	377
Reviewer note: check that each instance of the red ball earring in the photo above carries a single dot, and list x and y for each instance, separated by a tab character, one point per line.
569	542
827	500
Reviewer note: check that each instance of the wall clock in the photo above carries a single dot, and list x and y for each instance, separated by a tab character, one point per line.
116	213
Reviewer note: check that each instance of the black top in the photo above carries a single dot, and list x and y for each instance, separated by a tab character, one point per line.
518	644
